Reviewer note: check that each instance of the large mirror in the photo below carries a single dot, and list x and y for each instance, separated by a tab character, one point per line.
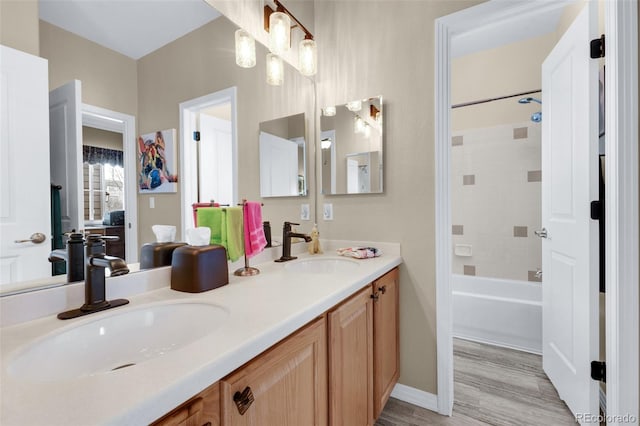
351	141
283	167
151	85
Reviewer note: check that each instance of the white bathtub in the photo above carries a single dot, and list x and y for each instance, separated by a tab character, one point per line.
499	312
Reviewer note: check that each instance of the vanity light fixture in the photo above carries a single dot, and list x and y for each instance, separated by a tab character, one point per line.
275	70
358	124
279	32
245	49
278	24
325	143
354	106
308	57
367	130
329	111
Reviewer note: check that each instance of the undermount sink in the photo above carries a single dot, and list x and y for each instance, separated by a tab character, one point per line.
115	340
322	265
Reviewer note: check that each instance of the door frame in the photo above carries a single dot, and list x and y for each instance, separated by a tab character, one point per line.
113	121
622	240
188	151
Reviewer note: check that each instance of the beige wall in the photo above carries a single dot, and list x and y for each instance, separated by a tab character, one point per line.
19	25
387	48
109	79
101	138
201	63
502	71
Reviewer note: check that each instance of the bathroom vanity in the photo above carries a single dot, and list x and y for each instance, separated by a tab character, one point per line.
311	341
353	348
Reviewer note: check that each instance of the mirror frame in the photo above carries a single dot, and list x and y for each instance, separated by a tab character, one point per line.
332	190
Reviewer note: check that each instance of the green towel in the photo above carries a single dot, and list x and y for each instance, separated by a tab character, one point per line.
226	226
212	218
234	233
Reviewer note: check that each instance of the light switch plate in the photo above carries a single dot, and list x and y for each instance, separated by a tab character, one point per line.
304	211
152	202
327	211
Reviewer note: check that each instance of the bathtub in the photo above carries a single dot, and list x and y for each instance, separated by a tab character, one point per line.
499	312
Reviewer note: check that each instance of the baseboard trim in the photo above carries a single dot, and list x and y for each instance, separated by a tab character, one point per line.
415	396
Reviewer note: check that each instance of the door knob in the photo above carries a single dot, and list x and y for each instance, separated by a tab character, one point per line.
538	273
542	233
36	238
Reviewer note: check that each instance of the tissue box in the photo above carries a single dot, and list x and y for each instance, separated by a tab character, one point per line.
154	255
195	269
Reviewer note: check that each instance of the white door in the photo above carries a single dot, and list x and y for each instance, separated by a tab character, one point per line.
215	160
24	166
569	184
65	126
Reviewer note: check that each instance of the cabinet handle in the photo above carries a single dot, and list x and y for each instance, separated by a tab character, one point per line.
207	424
383	289
243	400
375	296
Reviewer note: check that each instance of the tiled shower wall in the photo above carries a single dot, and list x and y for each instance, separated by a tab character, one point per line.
495	190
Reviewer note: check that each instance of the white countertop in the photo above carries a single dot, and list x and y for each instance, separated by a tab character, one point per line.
263	309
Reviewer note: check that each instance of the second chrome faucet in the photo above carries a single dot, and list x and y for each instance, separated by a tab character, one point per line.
287	235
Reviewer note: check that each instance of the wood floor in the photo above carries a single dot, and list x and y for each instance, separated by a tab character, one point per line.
494	386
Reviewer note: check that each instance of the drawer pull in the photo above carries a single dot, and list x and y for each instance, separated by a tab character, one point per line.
243	400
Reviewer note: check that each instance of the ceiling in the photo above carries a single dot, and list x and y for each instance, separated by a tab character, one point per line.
134	28
506	31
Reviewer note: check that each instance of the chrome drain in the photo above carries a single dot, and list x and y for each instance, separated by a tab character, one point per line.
123	366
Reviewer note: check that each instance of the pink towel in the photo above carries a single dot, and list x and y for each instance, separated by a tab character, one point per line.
254	239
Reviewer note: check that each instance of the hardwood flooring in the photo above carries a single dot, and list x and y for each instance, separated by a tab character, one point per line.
492	386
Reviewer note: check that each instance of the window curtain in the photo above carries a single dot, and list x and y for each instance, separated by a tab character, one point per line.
95	155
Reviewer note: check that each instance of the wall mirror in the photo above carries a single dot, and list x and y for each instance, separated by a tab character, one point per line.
283	153
351	140
154	109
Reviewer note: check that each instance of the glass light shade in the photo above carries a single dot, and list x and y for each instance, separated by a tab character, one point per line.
245	49
358	125
325	143
329	111
279	32
275	70
308	57
367	130
354	106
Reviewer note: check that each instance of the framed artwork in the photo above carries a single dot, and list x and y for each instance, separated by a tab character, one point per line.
157	160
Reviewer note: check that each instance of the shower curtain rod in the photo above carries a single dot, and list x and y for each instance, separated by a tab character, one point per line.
484	101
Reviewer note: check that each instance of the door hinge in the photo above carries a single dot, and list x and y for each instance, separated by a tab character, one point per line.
596	210
597	47
196	136
599	371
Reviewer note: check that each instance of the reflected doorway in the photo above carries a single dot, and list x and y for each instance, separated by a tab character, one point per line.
208	152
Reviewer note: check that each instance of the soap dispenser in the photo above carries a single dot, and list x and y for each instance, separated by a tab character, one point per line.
314	245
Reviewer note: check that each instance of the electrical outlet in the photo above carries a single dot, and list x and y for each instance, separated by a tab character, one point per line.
304	211
327	211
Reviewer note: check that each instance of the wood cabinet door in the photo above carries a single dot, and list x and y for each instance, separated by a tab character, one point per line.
201	410
351	362
288	383
386	338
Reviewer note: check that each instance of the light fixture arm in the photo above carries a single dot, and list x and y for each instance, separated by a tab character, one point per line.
280	8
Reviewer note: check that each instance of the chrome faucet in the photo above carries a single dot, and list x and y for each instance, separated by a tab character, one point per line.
73	255
287	235
94	285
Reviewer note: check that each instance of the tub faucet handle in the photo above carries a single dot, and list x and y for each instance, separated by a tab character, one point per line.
542	233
